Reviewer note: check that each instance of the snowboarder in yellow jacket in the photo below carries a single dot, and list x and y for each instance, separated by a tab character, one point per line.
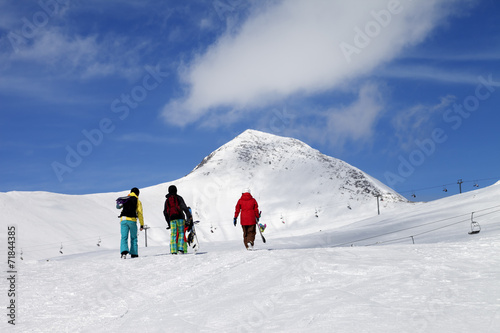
132	210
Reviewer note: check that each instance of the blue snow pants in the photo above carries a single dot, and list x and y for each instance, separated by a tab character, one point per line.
126	228
176	236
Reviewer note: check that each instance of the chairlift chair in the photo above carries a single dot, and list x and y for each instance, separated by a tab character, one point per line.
475	228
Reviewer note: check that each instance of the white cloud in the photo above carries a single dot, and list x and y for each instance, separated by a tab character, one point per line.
81	56
357	121
429	73
48	47
418	121
294	47
353	123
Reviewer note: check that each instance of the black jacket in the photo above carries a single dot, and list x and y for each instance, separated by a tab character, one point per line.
130	207
180	216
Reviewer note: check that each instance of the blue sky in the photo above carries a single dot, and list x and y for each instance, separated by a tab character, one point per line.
99	96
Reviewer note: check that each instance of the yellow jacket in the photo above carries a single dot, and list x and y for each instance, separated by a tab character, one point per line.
139	212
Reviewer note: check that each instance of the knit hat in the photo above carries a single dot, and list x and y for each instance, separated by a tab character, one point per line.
135	190
172	189
247	190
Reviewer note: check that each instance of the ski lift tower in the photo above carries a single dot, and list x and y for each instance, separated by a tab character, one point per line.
378	204
145	227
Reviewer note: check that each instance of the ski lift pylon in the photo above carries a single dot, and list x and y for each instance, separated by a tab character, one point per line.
475	228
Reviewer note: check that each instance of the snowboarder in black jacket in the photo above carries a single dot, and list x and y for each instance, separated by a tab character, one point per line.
175	212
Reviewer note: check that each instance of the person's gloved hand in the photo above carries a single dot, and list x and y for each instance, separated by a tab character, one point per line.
235	221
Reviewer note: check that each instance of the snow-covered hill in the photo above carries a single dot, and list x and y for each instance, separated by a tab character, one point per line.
413	268
299	190
446	282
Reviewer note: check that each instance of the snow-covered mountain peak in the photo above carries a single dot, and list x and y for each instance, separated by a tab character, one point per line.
292	164
253	148
252	145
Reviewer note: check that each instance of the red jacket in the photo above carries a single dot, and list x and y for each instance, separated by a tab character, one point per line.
249	209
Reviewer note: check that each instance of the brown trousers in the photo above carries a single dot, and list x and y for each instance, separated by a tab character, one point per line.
249	234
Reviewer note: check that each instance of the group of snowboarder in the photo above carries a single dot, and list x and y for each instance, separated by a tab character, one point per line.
180	220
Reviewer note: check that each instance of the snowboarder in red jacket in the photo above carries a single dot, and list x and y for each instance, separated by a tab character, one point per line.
249	209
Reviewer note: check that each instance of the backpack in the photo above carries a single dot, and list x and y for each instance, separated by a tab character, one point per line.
121	201
172	206
128	205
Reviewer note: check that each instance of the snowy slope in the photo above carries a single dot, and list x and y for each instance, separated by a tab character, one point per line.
422	272
292	182
402	288
446	282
